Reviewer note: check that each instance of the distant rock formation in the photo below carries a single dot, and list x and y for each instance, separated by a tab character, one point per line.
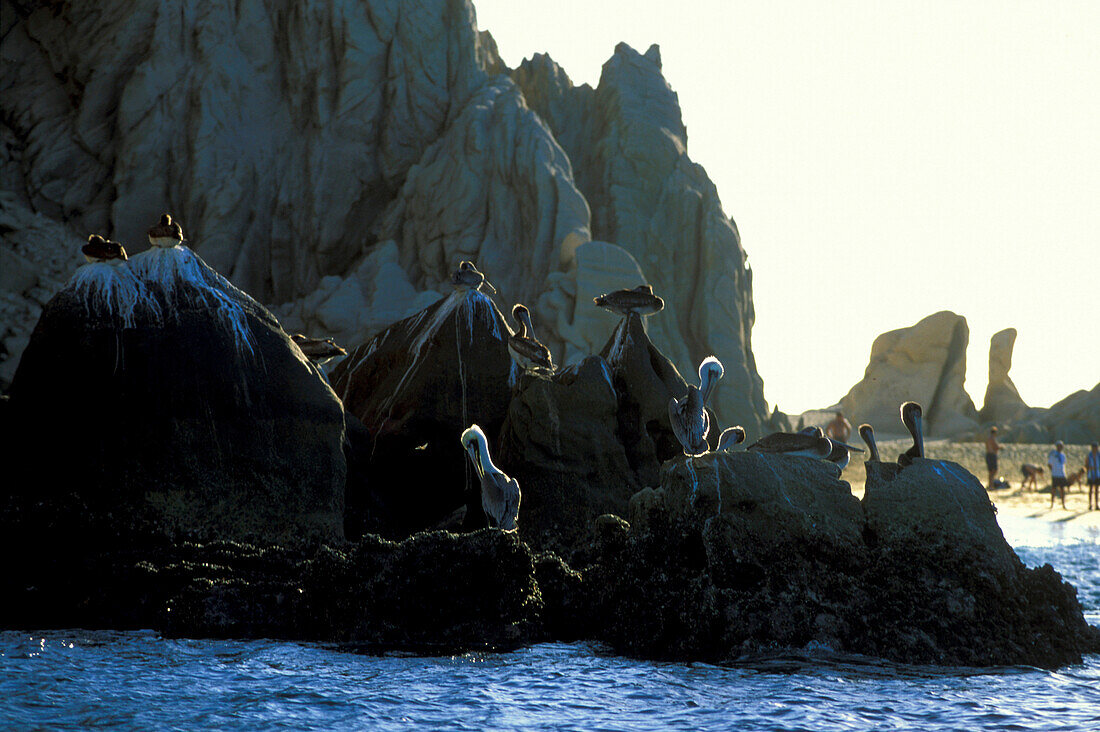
1003	403
1075	419
926	363
344	186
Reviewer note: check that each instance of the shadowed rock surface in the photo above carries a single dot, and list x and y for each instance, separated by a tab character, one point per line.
415	387
783	559
220	431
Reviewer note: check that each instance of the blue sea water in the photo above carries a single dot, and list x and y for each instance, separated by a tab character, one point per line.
95	679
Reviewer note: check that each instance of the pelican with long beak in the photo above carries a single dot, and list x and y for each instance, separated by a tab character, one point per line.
166	233
688	416
808	443
99	250
867	432
841	454
500	495
639	300
526	350
467	277
912	417
730	436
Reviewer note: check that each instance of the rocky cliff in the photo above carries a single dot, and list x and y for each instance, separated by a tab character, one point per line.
336	159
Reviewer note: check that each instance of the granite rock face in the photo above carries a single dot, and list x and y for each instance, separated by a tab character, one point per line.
343	187
925	363
187	400
1003	403
628	145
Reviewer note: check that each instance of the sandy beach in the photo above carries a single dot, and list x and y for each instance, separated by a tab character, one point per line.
1013	501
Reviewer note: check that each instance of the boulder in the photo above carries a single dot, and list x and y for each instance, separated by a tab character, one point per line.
181	395
925	363
1003	403
935	500
415	387
561	441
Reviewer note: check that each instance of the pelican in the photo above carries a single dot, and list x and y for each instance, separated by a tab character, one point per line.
99	250
526	350
804	444
730	437
500	495
318	350
640	300
690	421
467	277
166	234
688	416
841	454
867	432
911	417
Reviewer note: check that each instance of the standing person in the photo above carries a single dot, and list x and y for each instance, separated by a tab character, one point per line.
839	429
1092	465
992	447
1056	461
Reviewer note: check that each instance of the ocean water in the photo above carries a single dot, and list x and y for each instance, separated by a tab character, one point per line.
80	679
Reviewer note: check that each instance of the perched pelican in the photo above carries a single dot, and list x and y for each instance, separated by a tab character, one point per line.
689	418
500	494
318	350
166	234
99	249
804	444
690	421
467	277
730	436
911	417
841	454
640	300
526	350
867	432
710	371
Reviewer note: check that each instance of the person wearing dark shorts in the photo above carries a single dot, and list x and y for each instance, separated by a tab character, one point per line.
1056	461
1092	466
992	447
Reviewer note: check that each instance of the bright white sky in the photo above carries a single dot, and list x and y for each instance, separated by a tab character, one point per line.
955	145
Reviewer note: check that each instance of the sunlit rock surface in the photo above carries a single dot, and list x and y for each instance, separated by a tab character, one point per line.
158	386
1002	401
342	187
925	363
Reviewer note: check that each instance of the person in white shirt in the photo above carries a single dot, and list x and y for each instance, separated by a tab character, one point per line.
1056	461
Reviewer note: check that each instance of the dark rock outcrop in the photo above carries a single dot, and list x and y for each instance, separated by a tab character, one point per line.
739	553
415	387
189	399
433	593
